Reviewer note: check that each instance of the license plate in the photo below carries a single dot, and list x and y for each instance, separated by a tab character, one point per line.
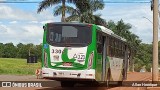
67	64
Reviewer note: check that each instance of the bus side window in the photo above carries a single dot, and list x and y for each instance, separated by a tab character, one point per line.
99	42
123	50
110	47
120	53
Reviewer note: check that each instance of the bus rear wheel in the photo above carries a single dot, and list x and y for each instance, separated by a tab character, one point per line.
108	75
67	84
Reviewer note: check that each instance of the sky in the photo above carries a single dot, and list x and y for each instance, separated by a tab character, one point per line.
20	22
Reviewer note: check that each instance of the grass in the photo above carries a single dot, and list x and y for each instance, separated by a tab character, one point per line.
16	66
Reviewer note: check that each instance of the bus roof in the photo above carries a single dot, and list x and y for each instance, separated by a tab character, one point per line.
75	23
110	32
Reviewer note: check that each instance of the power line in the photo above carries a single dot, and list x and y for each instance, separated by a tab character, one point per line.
39	2
17	2
126	2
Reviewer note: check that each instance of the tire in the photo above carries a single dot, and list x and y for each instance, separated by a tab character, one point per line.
67	84
108	75
93	84
124	75
120	83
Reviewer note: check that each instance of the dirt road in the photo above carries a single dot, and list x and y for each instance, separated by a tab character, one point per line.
136	76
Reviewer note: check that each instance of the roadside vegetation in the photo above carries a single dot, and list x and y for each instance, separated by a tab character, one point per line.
13	66
9	50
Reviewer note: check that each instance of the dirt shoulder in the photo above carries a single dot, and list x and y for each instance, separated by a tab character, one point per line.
19	78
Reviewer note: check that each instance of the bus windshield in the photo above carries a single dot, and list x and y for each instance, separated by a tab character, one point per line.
69	35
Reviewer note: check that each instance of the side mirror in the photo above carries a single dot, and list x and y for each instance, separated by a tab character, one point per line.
44	28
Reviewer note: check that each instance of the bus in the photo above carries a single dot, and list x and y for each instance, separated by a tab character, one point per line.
82	52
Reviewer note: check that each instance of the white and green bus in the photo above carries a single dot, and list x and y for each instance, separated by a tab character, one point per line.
81	51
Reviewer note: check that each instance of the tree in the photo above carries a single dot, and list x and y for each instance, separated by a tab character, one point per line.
9	50
20	47
84	12
122	29
143	57
1	50
48	3
23	50
31	49
38	51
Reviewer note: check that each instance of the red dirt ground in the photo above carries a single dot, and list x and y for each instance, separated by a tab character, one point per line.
132	76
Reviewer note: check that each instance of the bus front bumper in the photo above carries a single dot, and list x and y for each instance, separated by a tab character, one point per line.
68	74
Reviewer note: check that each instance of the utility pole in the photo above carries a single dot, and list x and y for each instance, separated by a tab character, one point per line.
155	41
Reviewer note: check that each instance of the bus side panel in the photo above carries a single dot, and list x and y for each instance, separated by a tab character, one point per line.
45	50
116	67
93	48
98	58
107	77
44	47
98	67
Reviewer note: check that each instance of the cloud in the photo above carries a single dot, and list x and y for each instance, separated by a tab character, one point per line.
47	15
13	13
20	25
25	34
13	22
46	21
33	22
3	29
33	30
133	14
127	0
